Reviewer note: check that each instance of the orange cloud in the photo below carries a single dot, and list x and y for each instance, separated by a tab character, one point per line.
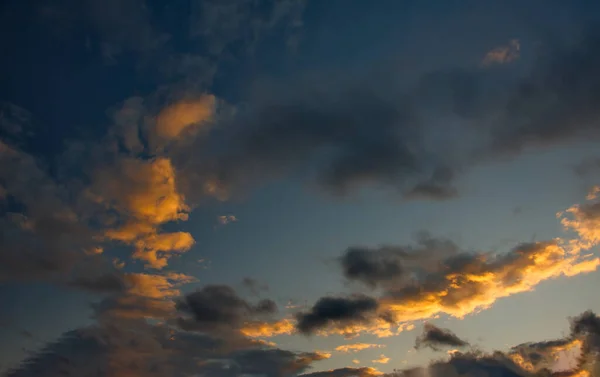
485	279
545	354
155	249
268	329
584	220
377	326
146	296
156	286
381	360
146	195
357	347
355	361
173	120
503	54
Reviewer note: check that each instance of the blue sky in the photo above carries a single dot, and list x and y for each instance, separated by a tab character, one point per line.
286	177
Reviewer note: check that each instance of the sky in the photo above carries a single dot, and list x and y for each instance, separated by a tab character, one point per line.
299	188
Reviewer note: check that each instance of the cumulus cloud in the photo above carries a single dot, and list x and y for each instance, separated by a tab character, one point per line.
337	312
392	264
146	195
219	309
435	337
435	276
534	359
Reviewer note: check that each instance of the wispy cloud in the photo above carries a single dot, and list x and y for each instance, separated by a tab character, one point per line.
503	54
382	360
355	347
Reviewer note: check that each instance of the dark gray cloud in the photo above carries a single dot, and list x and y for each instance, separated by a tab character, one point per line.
43	232
412	137
435	337
340	311
341	135
137	348
470	365
394	264
534	359
344	372
556	102
217	307
274	362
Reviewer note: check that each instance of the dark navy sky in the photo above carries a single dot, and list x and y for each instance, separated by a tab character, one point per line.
286	178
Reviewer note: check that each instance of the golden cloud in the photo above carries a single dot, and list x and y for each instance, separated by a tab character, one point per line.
381	360
584	220
145	193
357	347
146	296
376	326
268	329
484	279
173	120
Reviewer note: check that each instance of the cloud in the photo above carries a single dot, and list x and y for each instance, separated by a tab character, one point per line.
535	356
366	130
584	220
382	359
176	118
44	234
259	329
136	348
435	337
362	138
140	296
503	54
435	276
391	264
218	308
534	359
355	347
226	219
336	312
345	372
145	194
469	282
543	110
